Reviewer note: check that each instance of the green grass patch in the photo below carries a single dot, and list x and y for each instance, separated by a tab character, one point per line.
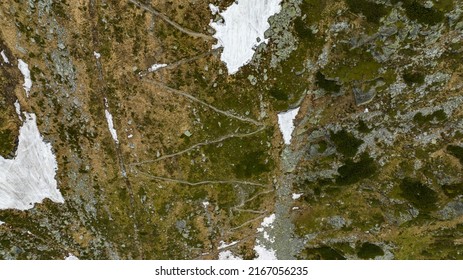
411	78
313	9
330	86
372	11
252	164
363	127
453	190
418	12
456	151
345	142
369	251
323	253
438	115
355	65
352	172
418	194
7	142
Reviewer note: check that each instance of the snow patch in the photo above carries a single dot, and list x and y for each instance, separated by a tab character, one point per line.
228	256
268	221
1	223
109	120
24	68
17	107
224	245
5	58
71	257
155	67
97	55
264	253
296	195
286	123
30	177
214	9
243	30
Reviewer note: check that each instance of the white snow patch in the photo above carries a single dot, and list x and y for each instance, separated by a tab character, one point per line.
268	221
97	55
24	68
296	195
17	107
214	9
71	257
228	256
243	30
5	58
155	67
1	223
264	253
130	136
285	121
30	177
224	245
109	120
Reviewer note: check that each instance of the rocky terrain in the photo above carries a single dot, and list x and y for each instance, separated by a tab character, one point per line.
162	154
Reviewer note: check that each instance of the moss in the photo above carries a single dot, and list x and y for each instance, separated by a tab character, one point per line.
345	142
416	11
278	94
453	190
252	164
322	146
328	85
369	251
313	9
372	11
7	142
356	65
352	172
438	115
363	127
419	195
323	253
226	197
411	78
456	151
58	9
302	30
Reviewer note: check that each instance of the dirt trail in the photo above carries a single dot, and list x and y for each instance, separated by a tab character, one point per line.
171	22
189	96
